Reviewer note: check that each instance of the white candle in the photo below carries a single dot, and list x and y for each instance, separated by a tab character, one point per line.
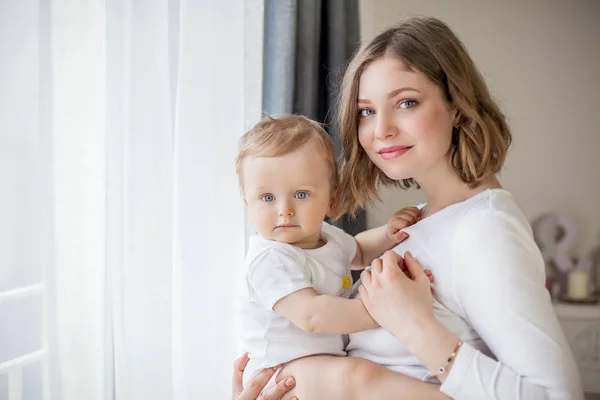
578	285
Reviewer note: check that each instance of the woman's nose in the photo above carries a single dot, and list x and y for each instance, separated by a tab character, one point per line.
385	127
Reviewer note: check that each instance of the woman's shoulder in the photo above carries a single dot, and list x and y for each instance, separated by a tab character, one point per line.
494	246
494	209
497	223
479	206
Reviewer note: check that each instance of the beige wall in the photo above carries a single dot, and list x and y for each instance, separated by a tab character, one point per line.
541	60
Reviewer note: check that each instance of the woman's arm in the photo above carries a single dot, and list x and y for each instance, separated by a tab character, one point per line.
403	305
503	295
500	287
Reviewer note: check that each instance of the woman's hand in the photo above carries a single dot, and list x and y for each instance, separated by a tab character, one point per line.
401	305
258	383
404	307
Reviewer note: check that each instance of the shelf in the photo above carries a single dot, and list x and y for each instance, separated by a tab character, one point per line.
578	311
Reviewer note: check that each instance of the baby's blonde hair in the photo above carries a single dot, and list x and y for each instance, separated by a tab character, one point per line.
276	136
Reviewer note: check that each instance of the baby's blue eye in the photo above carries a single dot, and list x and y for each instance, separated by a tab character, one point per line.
267	198
301	195
365	112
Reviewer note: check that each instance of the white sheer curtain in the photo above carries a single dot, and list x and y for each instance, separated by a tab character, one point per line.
122	230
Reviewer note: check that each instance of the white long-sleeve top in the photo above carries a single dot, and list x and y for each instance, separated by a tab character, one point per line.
490	292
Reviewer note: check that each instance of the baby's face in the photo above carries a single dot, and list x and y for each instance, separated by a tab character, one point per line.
288	196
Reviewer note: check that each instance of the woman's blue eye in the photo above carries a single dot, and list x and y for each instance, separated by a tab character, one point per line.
301	195
408	103
267	198
365	112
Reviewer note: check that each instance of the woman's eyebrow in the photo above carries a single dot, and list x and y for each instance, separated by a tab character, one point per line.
391	94
396	92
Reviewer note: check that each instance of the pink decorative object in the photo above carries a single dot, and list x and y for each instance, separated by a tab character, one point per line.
546	233
562	259
556	235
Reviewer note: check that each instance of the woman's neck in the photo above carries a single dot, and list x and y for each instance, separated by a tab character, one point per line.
444	187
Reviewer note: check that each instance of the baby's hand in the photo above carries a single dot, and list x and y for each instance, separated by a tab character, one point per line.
428	273
400	220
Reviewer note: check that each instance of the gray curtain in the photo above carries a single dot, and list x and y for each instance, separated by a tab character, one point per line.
307	45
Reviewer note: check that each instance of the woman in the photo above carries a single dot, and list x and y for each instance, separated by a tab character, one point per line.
414	110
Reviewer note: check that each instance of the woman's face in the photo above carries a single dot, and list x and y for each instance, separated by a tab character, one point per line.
405	125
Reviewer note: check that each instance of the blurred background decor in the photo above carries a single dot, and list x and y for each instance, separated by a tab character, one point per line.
569	278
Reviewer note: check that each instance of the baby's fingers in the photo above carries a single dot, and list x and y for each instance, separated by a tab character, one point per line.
412	213
429	275
400	236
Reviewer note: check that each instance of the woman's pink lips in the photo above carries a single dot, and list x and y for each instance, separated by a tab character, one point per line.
389	153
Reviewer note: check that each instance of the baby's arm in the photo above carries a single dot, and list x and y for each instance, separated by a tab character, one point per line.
374	242
313	312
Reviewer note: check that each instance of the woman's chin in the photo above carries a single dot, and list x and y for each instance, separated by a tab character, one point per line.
398	175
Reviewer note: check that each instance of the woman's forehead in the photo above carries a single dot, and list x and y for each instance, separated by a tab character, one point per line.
387	76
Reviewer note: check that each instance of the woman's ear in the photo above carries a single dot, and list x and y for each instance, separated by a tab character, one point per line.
457	118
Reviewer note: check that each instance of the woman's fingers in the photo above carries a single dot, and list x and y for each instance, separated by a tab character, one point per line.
414	268
364	294
279	390
365	278
364	297
392	260
376	266
256	385
238	372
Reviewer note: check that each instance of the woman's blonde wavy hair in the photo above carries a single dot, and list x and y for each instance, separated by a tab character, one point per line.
428	45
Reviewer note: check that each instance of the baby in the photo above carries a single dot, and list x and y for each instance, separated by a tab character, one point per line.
298	267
